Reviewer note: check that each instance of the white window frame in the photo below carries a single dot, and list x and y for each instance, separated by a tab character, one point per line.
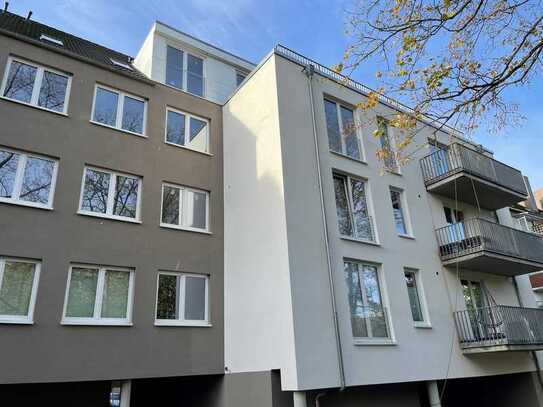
184	70
180	300
37	85
22	319
111	195
188	116
425	323
19	178
405	212
120	110
357	130
183	213
97	319
48	38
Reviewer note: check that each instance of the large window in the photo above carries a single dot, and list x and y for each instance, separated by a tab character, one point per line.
36	85
186	130
415	296
387	146
185	208
185	71
27	179
98	296
368	315
401	221
342	132
182	299
18	287
353	214
119	110
112	195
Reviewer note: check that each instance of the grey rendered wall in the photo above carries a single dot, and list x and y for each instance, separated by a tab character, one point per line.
47	351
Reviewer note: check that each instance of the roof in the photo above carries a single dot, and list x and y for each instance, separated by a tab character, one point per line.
32	31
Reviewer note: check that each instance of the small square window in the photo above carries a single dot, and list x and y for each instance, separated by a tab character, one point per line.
18	288
185	208
187	130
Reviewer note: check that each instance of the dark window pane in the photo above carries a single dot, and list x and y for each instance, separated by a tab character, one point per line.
397	209
195	75
8	170
356	303
195	298
126	197
332	126
133	112
167	297
174	67
170	205
105	107
342	207
362	221
37	180
175	129
53	91
413	292
95	192
197	216
352	148
20	82
239	78
198	134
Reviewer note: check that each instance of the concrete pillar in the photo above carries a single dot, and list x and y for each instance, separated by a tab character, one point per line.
299	398
126	387
433	393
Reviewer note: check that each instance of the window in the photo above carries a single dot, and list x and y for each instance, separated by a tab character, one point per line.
186	130
119	110
98	295
18	287
111	195
35	85
368	316
192	78
50	39
341	128
400	217
182	299
240	77
387	148
415	296
27	179
353	215
184	208
121	64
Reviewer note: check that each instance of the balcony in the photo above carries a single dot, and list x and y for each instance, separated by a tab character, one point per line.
499	328
480	245
459	171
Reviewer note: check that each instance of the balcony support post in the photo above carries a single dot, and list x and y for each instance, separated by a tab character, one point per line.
433	393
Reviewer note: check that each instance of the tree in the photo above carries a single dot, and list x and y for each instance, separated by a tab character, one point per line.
452	61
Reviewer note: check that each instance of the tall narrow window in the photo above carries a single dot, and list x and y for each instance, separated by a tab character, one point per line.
18	287
186	130
342	133
108	194
119	110
98	295
415	302
387	148
185	71
195	75
368	315
184	208
36	85
27	179
240	77
174	67
352	208
398	211
182	299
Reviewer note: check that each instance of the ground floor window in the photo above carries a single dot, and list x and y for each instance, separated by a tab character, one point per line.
18	287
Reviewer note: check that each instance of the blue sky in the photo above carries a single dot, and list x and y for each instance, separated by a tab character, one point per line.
251	28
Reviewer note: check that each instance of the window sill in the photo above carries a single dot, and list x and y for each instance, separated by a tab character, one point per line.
204	232
375	342
183	323
354	239
34	106
348	157
110	217
410	237
422	325
189	149
87	322
16	321
26	204
107	126
399	174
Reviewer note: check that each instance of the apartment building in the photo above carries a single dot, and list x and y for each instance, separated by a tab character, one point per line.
188	227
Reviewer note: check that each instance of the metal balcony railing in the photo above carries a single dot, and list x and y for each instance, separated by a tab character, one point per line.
499	325
457	158
529	224
476	235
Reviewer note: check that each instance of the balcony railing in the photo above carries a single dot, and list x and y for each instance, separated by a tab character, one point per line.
529	225
499	327
482	237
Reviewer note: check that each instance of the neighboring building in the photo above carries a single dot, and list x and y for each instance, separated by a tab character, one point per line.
126	278
538	195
